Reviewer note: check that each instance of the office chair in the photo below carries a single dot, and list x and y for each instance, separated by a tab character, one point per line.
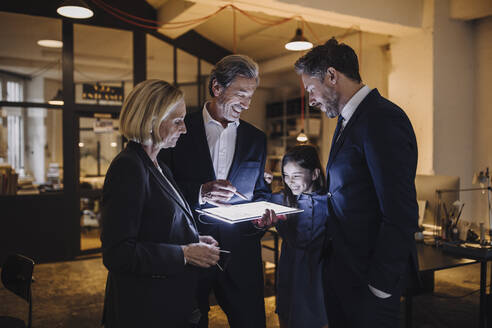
17	277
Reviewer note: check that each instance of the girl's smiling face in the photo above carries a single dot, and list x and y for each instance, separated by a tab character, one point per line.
299	179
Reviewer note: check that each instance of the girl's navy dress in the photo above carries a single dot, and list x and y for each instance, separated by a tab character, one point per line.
300	300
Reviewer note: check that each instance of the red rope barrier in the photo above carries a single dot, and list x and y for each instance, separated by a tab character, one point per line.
128	18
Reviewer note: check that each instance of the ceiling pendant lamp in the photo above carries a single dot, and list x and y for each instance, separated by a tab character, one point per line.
302	137
77	9
298	42
58	99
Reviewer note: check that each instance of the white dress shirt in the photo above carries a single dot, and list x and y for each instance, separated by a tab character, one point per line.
349	109
221	143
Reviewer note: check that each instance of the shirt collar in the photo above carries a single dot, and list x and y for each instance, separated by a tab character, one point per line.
349	109
208	119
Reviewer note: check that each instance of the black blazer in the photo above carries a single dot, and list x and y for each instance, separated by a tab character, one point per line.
192	166
143	224
372	199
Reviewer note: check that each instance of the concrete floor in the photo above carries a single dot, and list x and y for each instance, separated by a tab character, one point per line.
70	294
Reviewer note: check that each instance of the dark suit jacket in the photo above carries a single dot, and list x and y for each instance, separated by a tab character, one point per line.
373	207
192	166
143	224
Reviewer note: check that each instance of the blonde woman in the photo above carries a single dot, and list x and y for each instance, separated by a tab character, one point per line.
150	242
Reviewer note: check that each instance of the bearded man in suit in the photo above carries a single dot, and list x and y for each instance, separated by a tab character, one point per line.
370	249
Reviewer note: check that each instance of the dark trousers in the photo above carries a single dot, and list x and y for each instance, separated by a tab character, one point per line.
243	304
357	307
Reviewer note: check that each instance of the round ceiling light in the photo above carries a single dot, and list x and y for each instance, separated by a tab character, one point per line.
77	9
50	43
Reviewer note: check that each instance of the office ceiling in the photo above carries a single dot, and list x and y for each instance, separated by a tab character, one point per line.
106	54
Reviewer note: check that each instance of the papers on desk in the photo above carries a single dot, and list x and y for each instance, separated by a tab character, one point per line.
245	212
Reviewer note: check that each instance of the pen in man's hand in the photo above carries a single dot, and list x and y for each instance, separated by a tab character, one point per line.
240	195
224	251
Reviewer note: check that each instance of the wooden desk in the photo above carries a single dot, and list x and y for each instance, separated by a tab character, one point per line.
482	255
432	259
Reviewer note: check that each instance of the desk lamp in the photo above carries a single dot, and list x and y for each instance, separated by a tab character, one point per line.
483	178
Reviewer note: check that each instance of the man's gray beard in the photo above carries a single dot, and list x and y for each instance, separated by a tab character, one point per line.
331	114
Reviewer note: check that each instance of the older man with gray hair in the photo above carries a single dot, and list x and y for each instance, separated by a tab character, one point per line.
218	158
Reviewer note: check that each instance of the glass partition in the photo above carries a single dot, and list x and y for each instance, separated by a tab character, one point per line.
206	68
99	143
30	58
103	65
159	59
188	78
31	150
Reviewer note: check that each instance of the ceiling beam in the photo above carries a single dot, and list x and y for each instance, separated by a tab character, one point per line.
197	45
173	11
470	9
322	12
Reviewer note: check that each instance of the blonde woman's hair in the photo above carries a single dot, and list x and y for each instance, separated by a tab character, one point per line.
149	103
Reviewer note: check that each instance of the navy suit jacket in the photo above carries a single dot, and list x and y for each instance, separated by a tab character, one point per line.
192	166
372	198
143	226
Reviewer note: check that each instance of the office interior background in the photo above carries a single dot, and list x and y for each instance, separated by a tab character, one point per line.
431	57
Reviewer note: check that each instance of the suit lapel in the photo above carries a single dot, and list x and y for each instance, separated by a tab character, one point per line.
201	143
338	144
161	180
237	153
170	178
170	192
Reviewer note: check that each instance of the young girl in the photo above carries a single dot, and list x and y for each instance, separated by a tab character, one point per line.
300	300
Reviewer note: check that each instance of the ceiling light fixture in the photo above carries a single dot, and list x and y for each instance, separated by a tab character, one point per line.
302	137
50	43
77	9
298	42
58	99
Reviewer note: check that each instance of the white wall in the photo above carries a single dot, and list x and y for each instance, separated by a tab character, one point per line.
410	85
404	12
482	119
453	99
